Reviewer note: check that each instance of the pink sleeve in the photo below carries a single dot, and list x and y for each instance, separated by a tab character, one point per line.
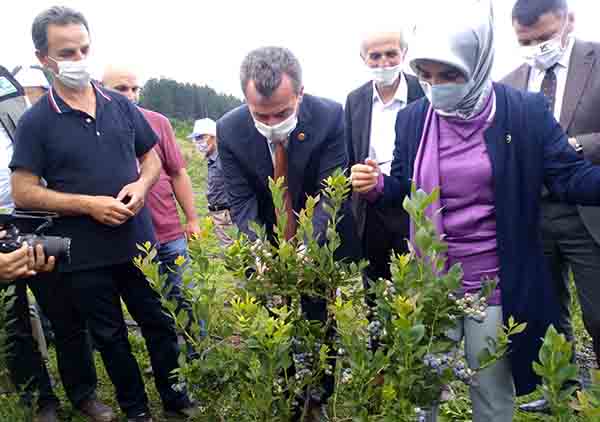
172	160
376	192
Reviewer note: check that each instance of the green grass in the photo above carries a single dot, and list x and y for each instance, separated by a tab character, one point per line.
458	410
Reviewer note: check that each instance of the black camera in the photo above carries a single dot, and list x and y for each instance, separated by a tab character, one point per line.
28	226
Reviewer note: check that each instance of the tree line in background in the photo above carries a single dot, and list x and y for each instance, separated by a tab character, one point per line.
185	101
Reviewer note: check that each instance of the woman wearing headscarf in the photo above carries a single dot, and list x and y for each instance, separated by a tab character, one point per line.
490	149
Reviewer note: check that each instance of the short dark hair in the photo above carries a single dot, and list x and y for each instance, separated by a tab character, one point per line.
527	12
56	15
266	67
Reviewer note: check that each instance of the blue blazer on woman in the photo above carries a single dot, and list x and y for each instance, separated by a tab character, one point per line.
528	149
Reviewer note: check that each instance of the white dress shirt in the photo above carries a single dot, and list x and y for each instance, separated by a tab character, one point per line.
6	152
383	125
536	76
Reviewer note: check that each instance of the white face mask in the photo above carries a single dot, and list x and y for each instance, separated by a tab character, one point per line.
445	98
385	76
278	132
73	74
201	145
545	55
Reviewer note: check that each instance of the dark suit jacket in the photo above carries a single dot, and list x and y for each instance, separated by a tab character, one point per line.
357	119
315	149
527	149
580	115
12	106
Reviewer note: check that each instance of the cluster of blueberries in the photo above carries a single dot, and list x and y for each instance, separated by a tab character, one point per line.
472	305
304	365
346	376
452	360
390	289
376	332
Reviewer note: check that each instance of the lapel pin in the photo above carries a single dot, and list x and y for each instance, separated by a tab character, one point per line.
301	136
508	138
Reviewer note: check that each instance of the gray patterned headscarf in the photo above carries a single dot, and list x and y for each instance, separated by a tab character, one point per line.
464	41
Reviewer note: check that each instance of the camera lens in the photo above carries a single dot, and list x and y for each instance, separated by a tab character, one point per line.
59	247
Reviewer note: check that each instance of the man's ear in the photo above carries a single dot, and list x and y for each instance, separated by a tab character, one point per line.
570	22
300	94
43	59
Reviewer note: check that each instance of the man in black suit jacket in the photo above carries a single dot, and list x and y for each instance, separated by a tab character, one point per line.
278	114
370	118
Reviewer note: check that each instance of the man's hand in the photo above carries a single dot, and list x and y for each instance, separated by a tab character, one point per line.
38	262
133	196
572	142
364	176
109	211
24	262
576	145
16	264
192	227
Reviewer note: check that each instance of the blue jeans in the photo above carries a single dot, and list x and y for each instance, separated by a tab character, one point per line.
168	253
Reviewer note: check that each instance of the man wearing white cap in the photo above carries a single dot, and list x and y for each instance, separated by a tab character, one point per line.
205	137
34	81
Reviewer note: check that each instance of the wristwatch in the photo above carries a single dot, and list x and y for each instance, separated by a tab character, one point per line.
578	147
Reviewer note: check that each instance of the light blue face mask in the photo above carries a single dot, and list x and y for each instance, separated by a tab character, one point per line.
445	98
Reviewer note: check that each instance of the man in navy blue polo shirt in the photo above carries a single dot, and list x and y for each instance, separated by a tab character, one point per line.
95	151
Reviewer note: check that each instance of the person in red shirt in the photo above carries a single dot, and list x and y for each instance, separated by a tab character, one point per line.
174	184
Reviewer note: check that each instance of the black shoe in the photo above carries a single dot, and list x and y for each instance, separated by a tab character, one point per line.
142	417
96	411
191	410
536	406
47	413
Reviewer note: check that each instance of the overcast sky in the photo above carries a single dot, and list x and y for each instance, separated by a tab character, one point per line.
205	41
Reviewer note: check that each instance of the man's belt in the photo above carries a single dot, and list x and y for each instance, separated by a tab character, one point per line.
217	208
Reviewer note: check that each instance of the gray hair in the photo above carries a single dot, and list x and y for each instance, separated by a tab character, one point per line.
56	15
266	67
400	36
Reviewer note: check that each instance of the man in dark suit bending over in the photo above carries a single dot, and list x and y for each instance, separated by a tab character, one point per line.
281	131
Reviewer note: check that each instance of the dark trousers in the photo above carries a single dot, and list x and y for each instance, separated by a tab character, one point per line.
27	370
569	245
92	299
315	309
386	231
